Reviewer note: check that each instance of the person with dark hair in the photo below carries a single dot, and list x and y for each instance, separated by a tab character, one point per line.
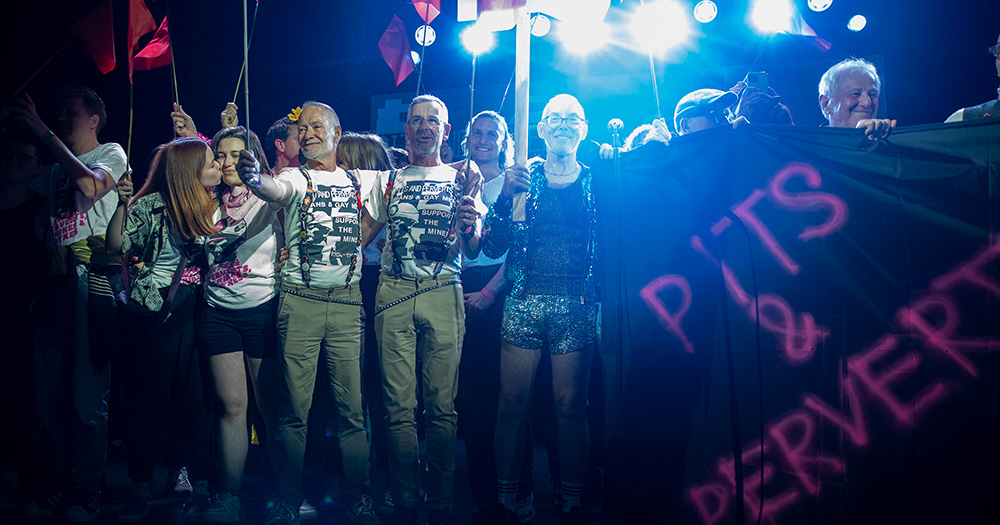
990	109
432	216
282	144
320	306
74	335
21	160
168	221
400	157
238	325
552	306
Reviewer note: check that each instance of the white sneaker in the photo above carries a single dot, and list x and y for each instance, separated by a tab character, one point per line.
307	511
362	511
223	508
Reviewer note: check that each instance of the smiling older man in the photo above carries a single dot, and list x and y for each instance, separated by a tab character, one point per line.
849	97
320	305
552	306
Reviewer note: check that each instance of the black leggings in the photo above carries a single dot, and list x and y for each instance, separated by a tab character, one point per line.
164	388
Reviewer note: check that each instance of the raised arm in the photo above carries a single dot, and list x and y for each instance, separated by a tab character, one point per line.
116	227
264	186
91	182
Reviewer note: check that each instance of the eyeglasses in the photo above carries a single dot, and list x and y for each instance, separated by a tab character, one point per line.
995	50
554	121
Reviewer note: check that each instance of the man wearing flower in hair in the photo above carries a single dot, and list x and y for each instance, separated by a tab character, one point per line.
319	307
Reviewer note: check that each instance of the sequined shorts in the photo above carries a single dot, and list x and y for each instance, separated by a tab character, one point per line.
558	322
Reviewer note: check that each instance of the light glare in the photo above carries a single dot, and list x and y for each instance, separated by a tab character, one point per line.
661	26
478	40
415	56
771	16
583	37
820	5
857	23
705	11
540	25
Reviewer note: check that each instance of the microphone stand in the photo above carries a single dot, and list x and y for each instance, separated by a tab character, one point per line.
614	375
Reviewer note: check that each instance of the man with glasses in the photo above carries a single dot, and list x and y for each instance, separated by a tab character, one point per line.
986	109
432	214
552	305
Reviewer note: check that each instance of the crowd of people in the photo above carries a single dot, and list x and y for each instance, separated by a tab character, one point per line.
397	283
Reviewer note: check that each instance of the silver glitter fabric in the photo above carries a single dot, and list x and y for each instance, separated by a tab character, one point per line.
561	323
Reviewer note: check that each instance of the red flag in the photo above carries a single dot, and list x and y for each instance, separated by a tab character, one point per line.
427	9
157	51
140	22
95	29
395	48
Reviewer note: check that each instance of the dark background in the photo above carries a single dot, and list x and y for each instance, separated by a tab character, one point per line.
931	56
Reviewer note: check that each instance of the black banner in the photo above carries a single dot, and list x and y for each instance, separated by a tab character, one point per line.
826	305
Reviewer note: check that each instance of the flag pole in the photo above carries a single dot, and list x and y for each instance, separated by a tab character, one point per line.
522	60
35	74
253	27
246	69
173	63
652	75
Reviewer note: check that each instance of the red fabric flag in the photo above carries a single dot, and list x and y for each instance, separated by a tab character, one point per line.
157	51
395	48
95	29
427	9
140	22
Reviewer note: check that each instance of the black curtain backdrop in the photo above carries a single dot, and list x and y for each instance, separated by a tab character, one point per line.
870	381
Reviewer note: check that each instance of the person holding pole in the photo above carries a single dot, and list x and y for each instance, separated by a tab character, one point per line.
552	302
432	214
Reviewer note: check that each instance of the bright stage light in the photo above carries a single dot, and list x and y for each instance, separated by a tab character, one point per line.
425	31
705	11
582	37
540	25
771	16
661	26
478	40
857	23
820	5
415	56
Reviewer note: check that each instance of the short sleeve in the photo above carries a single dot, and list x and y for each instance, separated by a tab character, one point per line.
375	203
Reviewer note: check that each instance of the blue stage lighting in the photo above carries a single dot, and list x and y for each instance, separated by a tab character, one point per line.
771	16
661	26
857	23
582	37
820	5
478	40
705	11
540	25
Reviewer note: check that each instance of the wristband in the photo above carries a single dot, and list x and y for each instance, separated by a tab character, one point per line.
468	232
488	295
49	135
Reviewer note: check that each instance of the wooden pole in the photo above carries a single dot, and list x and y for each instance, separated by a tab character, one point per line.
522	54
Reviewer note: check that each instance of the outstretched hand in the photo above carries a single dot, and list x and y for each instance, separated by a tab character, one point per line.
248	169
24	111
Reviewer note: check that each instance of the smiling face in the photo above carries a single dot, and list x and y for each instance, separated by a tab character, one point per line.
855	99
211	173
426	128
563	138
228	154
484	141
73	122
318	133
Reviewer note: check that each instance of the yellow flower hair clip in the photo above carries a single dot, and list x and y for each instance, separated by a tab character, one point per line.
294	115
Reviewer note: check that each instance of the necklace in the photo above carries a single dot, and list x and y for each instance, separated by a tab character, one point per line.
552	173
